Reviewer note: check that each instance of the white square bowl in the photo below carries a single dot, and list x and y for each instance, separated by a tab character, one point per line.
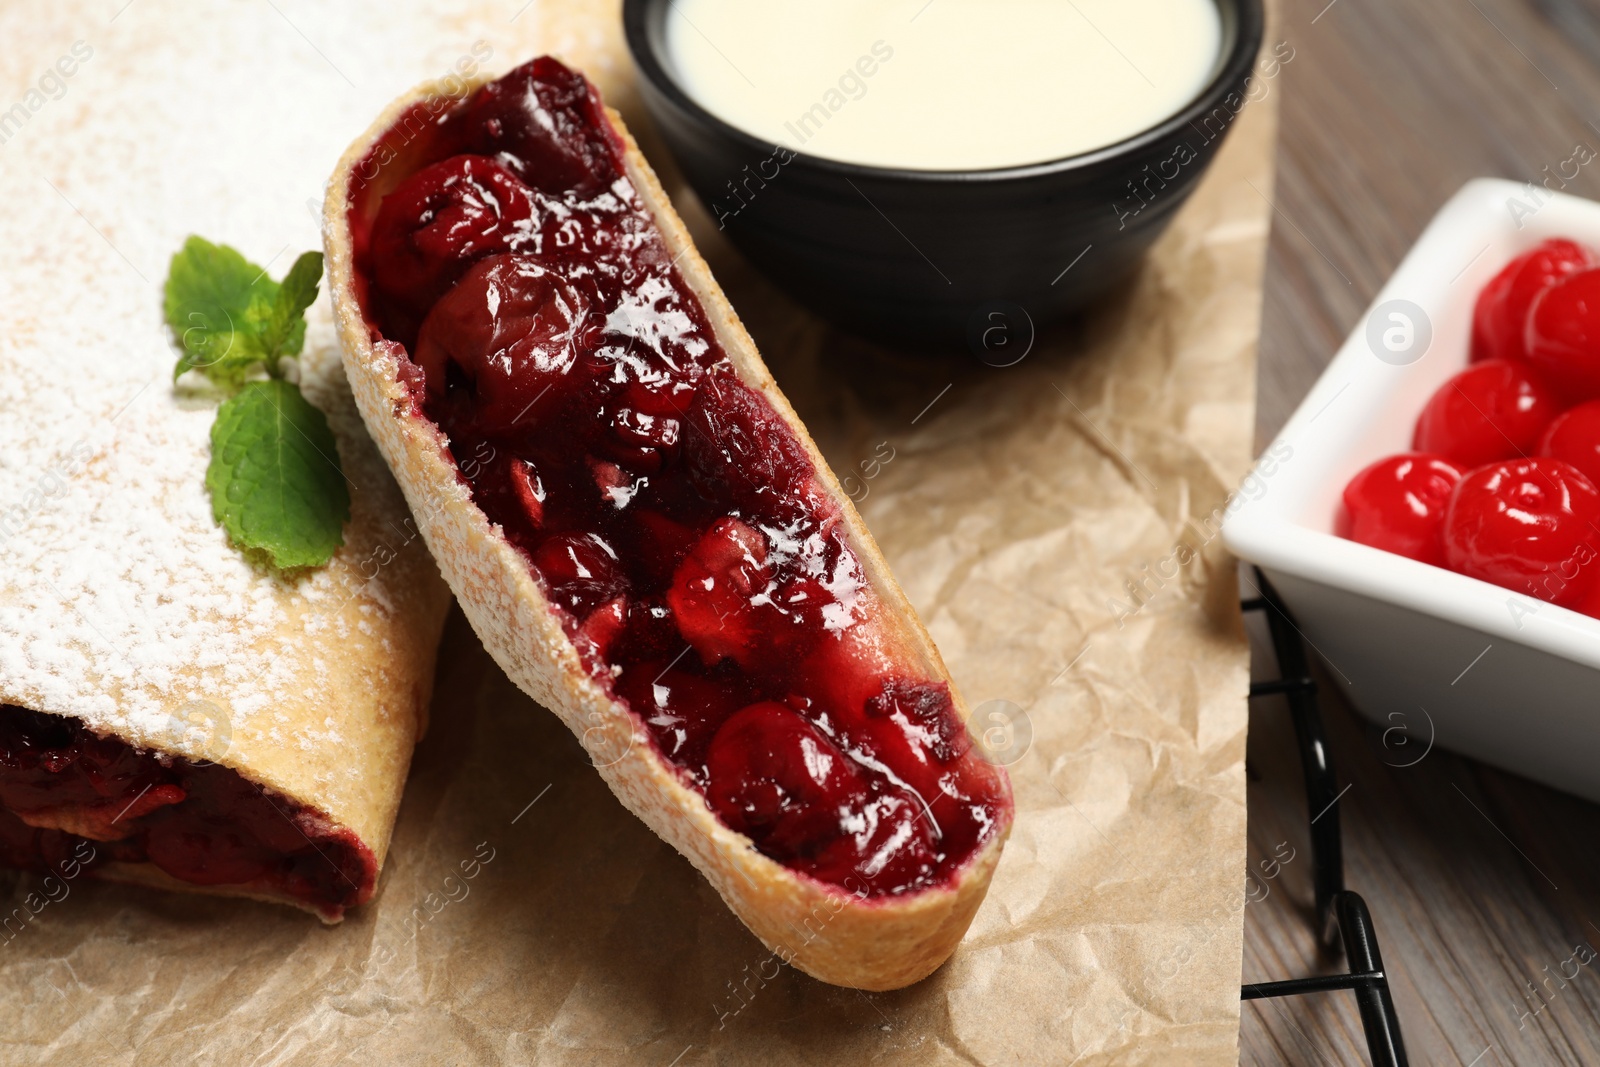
1432	655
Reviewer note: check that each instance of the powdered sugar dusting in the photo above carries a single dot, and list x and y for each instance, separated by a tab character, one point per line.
121	601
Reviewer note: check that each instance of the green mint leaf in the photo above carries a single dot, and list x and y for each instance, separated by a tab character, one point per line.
284	329
225	357
275	481
214	301
274	476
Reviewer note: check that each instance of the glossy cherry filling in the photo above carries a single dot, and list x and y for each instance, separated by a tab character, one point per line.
61	785
676	521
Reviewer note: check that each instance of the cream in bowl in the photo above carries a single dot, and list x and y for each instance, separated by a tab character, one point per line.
943	84
911	168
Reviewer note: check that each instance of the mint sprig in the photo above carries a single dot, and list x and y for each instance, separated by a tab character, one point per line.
283	332
274	476
275	479
230	318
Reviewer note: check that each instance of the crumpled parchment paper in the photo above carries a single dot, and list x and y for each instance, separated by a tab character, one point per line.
523	915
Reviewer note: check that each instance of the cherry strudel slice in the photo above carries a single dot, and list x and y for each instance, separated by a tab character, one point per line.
646	538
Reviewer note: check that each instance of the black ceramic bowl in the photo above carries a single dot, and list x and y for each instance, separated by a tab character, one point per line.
944	256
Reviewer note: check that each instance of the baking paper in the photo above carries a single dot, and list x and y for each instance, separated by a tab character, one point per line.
1054	521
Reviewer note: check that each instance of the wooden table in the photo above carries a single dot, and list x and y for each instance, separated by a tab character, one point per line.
1479	882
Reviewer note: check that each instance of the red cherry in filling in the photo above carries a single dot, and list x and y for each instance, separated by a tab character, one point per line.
1563	335
777	779
842	673
658	546
1398	505
1500	315
443	218
739	452
1575	438
644	424
205	825
529	491
580	571
547	123
650	633
717	590
894	843
506	335
31	848
1492	410
1527	525
683	710
100	781
615	485
207	852
925	714
601	629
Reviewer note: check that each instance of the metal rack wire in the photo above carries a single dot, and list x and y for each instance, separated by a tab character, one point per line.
1342	916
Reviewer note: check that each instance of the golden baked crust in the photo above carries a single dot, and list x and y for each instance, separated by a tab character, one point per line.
875	944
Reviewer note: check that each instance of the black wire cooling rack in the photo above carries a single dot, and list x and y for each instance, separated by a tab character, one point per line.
1342	917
